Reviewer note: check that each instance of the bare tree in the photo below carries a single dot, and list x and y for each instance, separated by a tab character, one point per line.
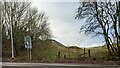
13	12
24	19
113	11
97	21
37	24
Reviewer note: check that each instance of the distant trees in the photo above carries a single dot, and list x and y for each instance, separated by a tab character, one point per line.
24	20
102	18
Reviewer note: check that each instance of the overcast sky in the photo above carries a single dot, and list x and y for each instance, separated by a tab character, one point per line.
64	27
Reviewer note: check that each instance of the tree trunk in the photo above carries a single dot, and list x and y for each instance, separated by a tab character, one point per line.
108	47
103	28
116	35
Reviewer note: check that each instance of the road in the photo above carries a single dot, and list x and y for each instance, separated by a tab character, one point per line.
55	65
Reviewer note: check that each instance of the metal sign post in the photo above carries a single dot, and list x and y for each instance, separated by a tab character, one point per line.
28	45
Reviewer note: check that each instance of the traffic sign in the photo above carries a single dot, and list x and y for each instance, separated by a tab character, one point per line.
28	43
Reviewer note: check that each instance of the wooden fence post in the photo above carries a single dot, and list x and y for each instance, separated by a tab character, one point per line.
84	52
89	53
64	56
58	55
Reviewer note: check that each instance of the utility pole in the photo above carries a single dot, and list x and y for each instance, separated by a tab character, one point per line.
12	38
12	43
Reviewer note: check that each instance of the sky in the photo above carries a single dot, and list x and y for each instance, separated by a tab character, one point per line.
64	27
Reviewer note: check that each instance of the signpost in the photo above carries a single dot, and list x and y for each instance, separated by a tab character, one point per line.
28	45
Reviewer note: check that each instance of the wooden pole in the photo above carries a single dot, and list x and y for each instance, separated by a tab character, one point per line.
84	52
58	55
89	53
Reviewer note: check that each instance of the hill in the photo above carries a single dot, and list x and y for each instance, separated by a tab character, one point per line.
57	43
42	51
53	51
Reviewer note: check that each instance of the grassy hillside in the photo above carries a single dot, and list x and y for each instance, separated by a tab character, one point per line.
47	51
98	52
43	51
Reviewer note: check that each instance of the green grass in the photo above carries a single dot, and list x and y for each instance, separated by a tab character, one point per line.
98	52
47	51
42	51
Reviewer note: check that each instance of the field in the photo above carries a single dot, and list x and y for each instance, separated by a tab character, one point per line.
52	51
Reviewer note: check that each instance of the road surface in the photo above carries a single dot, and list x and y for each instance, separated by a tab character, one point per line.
55	65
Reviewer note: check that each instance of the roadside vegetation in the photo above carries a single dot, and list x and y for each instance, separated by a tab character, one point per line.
47	52
102	19
21	19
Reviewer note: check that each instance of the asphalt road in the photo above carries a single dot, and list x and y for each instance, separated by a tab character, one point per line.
58	67
52	65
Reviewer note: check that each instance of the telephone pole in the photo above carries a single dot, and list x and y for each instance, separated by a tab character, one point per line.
12	44
12	37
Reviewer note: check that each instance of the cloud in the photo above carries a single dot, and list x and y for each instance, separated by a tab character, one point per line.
63	25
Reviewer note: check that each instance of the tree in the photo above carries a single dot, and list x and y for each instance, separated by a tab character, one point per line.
113	12
97	21
37	24
102	18
24	20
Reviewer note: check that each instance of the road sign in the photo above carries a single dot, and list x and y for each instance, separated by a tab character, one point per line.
28	43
